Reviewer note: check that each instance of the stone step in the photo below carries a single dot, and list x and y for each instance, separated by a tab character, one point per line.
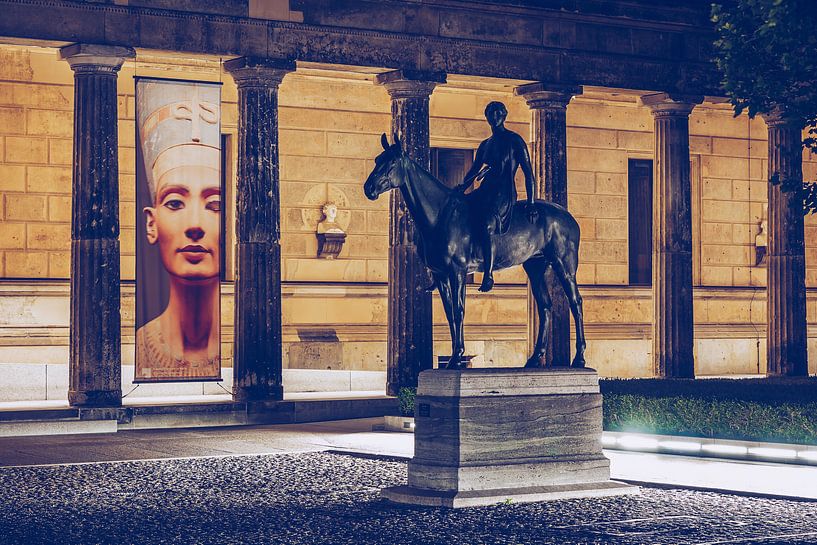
33	414
49	421
56	427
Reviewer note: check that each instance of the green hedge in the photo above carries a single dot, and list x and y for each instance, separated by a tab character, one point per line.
724	419
768	409
762	390
405	398
780	410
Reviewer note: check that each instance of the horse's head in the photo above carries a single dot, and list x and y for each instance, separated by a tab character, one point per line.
384	176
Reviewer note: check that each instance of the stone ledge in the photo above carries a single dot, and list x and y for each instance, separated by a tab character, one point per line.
489	382
478	498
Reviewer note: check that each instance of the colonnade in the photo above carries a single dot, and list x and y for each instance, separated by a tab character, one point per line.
95	335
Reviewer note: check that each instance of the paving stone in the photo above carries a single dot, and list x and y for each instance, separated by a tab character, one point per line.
326	498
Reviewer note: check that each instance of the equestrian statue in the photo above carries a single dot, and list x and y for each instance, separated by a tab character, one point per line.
486	229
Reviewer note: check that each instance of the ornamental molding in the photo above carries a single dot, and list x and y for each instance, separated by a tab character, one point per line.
327	44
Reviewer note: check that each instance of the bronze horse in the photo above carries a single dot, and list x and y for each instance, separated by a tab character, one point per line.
546	237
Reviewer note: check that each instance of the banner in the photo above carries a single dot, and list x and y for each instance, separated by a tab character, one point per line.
179	230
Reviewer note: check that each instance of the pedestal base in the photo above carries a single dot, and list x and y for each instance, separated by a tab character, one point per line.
485	436
480	498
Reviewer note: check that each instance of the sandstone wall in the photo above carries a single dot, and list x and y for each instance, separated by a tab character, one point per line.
335	310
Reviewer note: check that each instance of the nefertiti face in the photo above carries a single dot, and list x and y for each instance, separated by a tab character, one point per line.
185	222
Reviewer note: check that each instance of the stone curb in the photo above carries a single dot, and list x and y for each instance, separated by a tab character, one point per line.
704	447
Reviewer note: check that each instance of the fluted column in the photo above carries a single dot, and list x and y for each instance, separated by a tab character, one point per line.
95	357
786	335
673	331
410	328
257	374
548	129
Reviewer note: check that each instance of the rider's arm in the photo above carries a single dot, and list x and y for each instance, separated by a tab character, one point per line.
471	175
527	170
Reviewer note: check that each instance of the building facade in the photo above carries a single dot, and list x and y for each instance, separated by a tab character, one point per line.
336	75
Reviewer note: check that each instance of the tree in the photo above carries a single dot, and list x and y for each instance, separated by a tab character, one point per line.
767	53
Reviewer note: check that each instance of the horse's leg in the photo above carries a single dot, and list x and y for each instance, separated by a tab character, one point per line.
457	283
431	284
535	269
565	268
444	287
488	256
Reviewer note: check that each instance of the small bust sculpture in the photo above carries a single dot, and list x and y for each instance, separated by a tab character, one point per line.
330	235
328	225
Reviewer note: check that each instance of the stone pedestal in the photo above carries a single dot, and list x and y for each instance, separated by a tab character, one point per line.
485	436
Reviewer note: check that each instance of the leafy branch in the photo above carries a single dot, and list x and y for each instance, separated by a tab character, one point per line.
766	51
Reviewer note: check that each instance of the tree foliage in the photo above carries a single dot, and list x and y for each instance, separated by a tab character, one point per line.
767	53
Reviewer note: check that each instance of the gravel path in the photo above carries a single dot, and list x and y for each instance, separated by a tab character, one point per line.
323	498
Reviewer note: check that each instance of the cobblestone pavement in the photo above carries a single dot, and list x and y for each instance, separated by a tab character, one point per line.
326	498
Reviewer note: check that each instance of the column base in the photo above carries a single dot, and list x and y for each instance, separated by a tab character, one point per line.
266	393
95	398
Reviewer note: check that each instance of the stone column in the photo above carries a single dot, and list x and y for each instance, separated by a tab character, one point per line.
548	128
257	364
786	335
673	331
95	358
410	343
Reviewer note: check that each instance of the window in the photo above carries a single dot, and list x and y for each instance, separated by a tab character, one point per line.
450	165
640	223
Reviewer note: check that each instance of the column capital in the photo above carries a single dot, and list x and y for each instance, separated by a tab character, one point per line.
670	104
410	83
778	117
547	96
258	71
96	58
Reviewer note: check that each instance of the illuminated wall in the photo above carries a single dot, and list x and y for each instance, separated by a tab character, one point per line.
335	310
